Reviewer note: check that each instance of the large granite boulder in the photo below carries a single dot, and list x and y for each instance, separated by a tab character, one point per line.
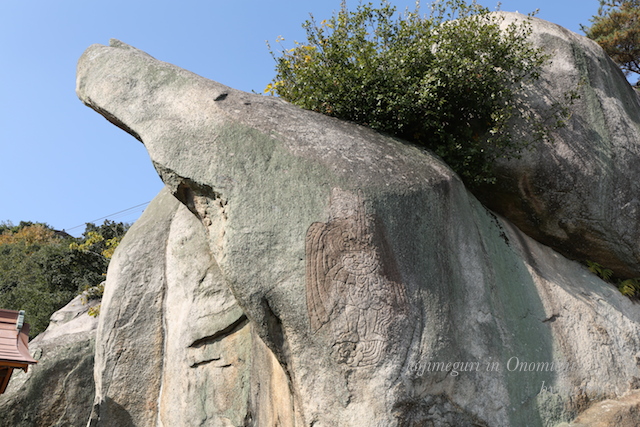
175	349
578	193
58	391
385	293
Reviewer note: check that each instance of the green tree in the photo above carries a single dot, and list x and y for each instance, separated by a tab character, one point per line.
27	255
448	81
616	28
41	271
101	240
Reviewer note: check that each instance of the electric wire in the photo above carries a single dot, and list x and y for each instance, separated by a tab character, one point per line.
108	216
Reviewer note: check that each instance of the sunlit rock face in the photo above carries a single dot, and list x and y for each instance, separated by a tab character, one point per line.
307	270
578	192
175	348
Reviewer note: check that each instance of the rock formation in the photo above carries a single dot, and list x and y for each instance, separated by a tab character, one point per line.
623	412
58	391
578	193
317	273
175	348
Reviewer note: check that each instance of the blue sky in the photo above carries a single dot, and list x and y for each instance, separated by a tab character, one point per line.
63	164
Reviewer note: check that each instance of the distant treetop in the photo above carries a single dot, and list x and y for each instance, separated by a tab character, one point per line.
616	28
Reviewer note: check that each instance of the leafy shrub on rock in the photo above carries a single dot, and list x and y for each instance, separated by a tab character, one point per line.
448	81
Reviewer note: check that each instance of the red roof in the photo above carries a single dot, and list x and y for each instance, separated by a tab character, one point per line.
14	346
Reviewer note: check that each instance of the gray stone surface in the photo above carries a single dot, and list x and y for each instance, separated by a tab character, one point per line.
386	293
622	412
58	390
174	348
130	343
214	364
579	194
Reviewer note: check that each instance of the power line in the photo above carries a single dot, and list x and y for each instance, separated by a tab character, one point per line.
109	216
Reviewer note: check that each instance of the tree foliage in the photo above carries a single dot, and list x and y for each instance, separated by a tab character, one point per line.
101	240
616	28
41	270
27	232
448	80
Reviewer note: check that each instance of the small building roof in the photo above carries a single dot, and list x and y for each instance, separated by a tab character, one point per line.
13	341
14	345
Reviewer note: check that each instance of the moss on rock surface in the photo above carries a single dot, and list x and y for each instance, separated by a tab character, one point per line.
377	288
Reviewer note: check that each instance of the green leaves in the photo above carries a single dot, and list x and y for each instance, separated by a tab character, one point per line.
40	272
35	277
449	85
617	29
604	273
627	287
630	287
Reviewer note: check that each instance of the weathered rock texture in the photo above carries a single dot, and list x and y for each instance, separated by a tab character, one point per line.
386	294
579	193
58	391
175	348
623	412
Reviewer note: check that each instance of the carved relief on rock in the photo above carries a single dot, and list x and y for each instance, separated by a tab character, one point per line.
353	284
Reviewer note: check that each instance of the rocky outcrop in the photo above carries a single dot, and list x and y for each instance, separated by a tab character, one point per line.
622	412
579	192
58	391
175	348
327	275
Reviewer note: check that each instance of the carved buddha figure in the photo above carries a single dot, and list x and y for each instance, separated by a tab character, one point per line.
352	283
